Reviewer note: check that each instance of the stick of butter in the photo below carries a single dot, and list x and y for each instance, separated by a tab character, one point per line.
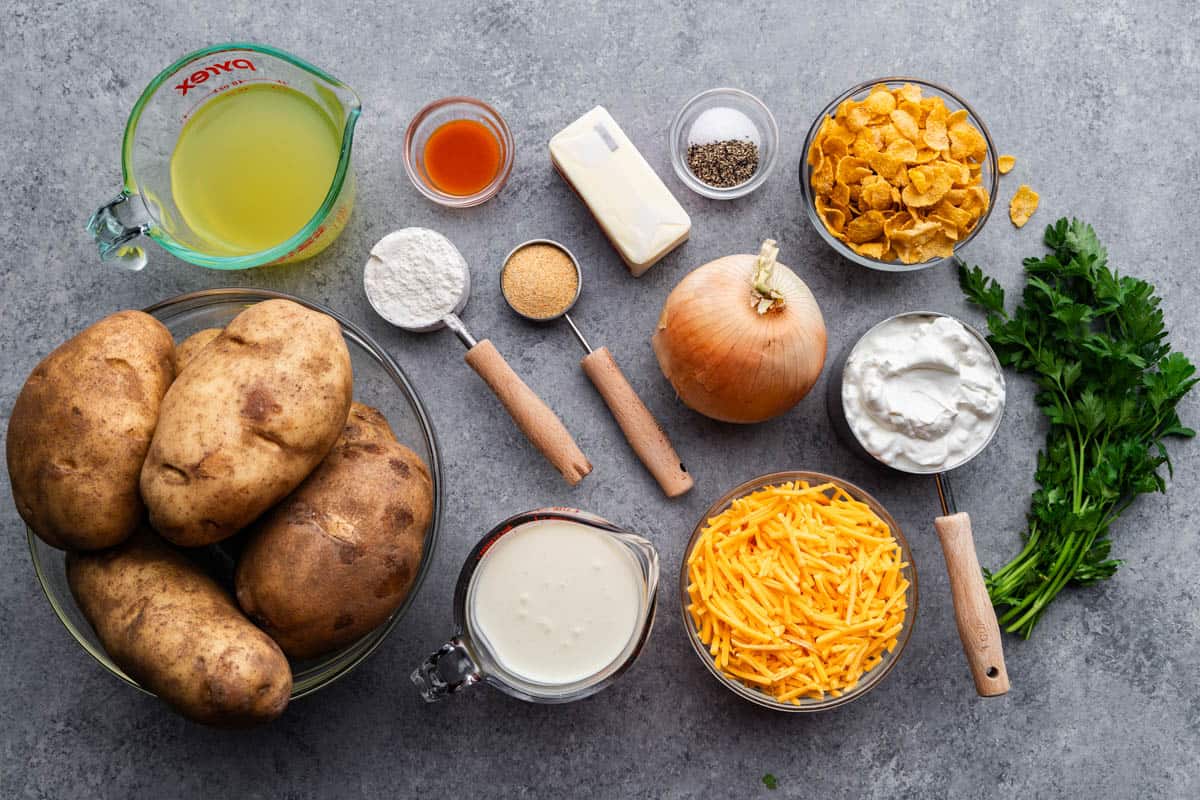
636	210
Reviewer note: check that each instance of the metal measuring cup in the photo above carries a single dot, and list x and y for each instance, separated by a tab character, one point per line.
641	429
541	426
973	612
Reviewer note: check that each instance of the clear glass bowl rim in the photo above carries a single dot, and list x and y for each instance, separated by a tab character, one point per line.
810	201
870	679
365	646
679	162
432	192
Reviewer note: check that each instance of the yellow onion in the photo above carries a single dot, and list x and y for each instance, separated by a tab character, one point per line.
741	338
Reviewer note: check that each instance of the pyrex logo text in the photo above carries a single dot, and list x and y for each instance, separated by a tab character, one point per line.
201	75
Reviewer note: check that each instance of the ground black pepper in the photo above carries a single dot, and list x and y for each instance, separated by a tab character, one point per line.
723	164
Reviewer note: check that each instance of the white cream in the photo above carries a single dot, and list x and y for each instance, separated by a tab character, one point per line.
921	393
556	601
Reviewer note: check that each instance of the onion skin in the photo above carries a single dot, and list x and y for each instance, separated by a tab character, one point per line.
726	360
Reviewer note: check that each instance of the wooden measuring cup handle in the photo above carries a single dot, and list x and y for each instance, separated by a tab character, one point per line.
645	435
536	420
977	625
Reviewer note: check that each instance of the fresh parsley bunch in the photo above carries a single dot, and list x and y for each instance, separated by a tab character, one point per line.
1108	382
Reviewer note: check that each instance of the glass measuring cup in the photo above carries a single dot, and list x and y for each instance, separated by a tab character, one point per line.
973	612
146	205
468	658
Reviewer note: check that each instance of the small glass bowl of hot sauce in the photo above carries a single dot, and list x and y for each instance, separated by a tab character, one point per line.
458	152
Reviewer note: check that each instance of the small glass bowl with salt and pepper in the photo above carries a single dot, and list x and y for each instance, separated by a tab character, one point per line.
724	143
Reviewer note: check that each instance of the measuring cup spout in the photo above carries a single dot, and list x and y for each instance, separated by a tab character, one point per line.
115	225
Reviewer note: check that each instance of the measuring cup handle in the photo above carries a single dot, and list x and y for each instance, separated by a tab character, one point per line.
641	429
977	625
114	226
451	669
536	420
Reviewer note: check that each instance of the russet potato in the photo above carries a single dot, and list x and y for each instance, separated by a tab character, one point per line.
190	347
81	427
246	422
339	555
179	634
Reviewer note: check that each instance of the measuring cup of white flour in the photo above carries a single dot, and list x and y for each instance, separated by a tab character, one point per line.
416	279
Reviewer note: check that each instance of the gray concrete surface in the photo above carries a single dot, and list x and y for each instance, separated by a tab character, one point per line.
1096	100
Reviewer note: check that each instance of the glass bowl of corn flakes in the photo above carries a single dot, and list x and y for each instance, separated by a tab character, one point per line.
798	591
898	173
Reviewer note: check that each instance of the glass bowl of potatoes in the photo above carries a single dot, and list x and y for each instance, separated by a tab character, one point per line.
378	382
898	174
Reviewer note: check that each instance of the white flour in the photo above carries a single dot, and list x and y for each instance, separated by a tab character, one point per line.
414	277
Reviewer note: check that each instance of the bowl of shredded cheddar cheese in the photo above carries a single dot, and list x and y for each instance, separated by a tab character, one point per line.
798	591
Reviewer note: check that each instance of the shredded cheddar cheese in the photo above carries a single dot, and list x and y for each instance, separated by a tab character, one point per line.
797	590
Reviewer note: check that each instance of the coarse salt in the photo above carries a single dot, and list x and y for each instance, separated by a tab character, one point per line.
720	124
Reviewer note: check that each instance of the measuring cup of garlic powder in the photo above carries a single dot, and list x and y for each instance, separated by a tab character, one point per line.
234	156
551	606
923	393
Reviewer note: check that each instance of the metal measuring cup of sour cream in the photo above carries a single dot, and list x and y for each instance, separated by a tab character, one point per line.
551	606
964	357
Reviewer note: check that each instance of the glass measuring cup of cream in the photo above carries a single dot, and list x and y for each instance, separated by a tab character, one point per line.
551	606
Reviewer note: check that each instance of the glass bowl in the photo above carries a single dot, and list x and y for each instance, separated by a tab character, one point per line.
428	120
990	174
378	382
752	107
870	679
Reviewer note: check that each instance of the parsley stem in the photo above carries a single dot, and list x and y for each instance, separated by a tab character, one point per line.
1037	601
1083	443
1003	583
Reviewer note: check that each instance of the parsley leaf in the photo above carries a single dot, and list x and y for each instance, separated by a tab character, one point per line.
1095	343
770	781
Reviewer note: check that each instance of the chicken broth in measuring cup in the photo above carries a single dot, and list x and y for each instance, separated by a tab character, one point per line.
235	156
252	166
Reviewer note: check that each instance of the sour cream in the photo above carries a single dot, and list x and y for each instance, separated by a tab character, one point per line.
922	393
556	601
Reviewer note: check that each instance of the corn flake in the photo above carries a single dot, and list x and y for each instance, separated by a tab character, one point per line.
880	101
898	176
1023	204
935	135
1005	164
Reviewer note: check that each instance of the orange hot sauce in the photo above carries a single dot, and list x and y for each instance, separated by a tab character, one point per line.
462	157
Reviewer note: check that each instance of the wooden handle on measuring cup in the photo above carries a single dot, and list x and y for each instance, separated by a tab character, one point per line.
645	435
536	420
977	625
